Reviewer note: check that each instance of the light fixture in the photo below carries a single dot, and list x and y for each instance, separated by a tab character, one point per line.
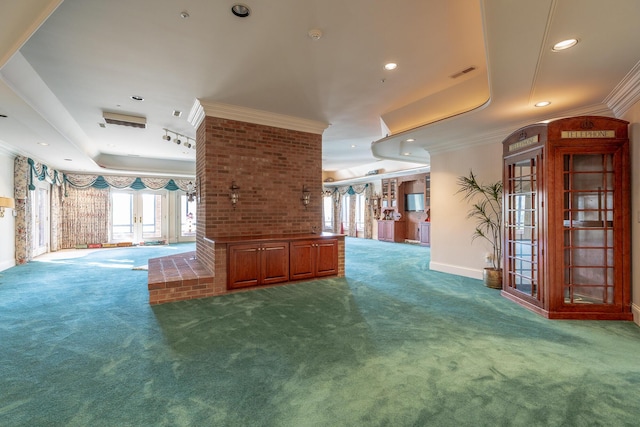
390	66
234	195
191	191
306	196
240	10
137	98
6	202
410	140
565	44
178	138
542	104
315	34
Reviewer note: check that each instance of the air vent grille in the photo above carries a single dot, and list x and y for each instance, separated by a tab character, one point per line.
125	120
463	72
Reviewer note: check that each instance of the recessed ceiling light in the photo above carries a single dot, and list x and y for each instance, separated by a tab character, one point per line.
353	145
184	14
543	104
137	98
406	154
565	44
390	66
68	160
44	144
410	140
177	113
240	10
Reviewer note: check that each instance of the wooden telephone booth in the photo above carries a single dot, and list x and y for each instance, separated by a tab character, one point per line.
567	218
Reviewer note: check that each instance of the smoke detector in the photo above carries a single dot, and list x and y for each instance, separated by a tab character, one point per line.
315	34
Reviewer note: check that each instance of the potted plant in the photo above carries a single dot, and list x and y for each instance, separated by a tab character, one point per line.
486	209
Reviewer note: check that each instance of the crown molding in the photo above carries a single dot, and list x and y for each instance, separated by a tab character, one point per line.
626	93
201	109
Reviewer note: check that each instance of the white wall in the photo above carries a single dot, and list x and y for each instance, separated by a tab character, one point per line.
633	117
7	224
451	232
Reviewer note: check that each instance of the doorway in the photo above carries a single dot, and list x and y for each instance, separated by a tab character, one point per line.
137	216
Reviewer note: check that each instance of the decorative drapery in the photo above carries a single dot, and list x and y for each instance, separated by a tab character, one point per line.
23	233
43	173
85	217
351	191
135	183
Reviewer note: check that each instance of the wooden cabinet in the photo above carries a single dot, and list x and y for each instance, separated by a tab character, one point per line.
313	258
425	233
389	194
567	218
391	231
266	261
254	264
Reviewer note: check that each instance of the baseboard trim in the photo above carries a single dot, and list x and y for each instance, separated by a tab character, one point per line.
635	309
456	269
7	264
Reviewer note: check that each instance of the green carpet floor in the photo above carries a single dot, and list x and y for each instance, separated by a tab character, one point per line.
392	344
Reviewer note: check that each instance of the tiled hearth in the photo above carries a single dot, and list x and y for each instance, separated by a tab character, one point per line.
179	277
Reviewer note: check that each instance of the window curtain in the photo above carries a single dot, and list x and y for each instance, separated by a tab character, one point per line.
85	217
25	171
23	232
351	191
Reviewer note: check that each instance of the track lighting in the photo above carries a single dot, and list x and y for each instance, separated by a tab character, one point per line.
178	139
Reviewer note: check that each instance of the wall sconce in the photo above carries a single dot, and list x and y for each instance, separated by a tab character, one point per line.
191	191
6	202
234	195
306	196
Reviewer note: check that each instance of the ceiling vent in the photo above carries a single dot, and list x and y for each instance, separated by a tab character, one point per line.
463	72
125	120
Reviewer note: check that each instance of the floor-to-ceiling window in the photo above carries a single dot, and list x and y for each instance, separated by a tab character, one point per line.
187	218
327	213
137	216
40	217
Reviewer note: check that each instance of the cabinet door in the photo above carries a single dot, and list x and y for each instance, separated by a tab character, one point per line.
274	262
244	265
326	257
302	259
388	231
381	230
425	233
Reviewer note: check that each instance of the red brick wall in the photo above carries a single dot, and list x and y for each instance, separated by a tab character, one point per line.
270	165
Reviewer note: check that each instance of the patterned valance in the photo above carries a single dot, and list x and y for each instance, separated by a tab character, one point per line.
43	173
135	183
352	189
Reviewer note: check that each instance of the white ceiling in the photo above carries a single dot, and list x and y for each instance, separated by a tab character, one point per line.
64	63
